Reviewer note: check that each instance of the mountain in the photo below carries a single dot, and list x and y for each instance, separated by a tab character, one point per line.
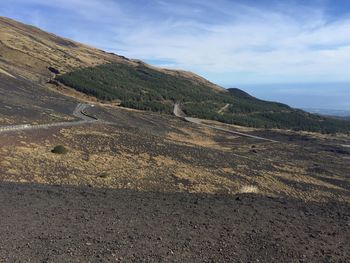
42	57
239	93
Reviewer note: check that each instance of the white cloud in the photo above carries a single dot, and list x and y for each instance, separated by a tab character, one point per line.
283	43
262	42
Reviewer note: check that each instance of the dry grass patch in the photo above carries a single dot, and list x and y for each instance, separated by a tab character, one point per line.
203	138
249	189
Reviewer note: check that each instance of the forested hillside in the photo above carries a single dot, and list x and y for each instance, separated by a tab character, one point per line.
142	87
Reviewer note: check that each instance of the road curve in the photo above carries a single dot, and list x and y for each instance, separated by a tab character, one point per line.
180	114
78	112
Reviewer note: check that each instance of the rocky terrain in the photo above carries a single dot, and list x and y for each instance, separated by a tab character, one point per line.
78	224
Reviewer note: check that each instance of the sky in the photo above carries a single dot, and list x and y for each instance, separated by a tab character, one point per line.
286	50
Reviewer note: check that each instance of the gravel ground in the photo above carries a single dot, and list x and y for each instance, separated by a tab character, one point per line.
42	223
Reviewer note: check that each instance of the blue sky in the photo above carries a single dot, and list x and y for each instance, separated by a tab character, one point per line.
248	43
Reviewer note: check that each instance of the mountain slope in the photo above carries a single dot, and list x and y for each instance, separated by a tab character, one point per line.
34	55
144	88
30	52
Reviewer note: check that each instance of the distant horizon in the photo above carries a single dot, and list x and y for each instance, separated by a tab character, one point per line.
325	96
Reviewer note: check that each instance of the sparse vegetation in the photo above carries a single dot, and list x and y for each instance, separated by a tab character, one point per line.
59	149
104	175
144	88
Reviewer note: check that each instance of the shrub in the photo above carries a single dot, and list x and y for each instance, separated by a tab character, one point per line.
59	149
104	175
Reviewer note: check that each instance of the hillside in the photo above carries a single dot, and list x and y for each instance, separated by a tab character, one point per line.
30	52
145	88
35	55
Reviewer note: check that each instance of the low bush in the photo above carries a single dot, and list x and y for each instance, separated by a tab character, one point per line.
104	175
59	149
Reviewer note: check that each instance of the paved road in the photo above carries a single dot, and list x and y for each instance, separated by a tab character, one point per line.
79	112
179	113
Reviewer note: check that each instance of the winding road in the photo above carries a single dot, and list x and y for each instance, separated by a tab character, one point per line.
180	114
78	112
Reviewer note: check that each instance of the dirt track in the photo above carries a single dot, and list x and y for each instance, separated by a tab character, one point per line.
61	224
78	112
180	114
